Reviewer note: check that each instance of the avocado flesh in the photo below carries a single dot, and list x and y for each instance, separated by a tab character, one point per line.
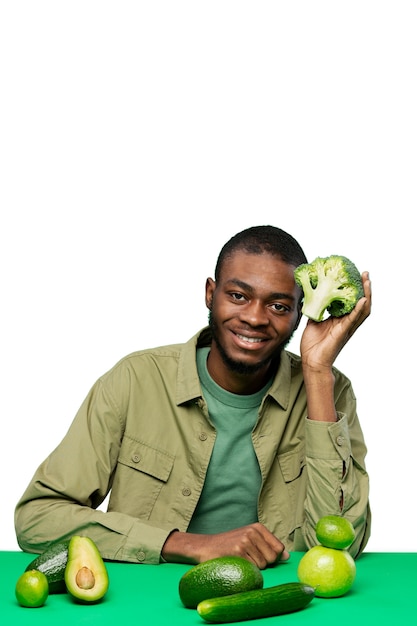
86	575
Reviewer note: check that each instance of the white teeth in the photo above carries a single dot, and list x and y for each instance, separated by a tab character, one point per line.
250	339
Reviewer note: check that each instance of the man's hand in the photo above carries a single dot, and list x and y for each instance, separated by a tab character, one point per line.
322	341
253	542
320	344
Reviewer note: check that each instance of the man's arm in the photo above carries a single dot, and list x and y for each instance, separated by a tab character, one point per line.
63	497
320	344
334	444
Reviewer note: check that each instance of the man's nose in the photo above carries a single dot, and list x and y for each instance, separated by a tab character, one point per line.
254	314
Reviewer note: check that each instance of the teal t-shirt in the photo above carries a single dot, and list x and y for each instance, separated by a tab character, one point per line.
230	494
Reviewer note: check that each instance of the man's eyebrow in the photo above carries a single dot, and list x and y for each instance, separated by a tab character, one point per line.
240	283
273	296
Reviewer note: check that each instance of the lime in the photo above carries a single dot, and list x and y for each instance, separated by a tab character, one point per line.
217	577
32	589
335	531
329	571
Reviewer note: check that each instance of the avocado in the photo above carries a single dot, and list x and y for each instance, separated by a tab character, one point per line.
86	575
221	576
52	562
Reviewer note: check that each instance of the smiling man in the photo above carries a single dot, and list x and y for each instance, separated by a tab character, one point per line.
226	445
254	310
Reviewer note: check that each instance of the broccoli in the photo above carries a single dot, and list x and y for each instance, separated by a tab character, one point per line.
333	283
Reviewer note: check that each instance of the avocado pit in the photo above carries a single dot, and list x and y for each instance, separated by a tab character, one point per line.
85	578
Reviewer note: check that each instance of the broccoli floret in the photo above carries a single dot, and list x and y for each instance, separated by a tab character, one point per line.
332	283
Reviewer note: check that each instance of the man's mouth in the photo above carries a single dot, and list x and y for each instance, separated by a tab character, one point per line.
249	339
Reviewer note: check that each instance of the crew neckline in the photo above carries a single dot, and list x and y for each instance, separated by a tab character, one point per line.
226	397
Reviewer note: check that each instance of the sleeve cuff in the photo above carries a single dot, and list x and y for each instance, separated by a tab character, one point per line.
328	440
144	544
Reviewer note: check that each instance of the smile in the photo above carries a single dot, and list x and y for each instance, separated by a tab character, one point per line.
249	339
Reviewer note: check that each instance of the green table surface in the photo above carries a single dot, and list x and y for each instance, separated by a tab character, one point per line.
383	593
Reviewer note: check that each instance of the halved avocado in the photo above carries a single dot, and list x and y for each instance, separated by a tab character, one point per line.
86	575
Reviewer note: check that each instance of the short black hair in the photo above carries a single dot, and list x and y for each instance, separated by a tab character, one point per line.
260	239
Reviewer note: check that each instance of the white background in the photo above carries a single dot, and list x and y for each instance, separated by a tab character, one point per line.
137	137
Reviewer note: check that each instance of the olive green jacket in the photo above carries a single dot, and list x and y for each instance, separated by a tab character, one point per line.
143	434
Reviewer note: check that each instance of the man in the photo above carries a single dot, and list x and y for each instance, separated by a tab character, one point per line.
226	445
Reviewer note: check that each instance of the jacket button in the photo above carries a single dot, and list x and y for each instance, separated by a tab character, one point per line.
340	440
136	458
186	491
203	436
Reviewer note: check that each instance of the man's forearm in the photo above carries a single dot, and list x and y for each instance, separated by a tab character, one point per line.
320	395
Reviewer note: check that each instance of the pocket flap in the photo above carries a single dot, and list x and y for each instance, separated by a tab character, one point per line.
292	464
144	458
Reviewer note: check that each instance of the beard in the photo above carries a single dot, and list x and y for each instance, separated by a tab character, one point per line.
240	367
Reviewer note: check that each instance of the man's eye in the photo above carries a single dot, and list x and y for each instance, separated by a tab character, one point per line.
279	308
237	296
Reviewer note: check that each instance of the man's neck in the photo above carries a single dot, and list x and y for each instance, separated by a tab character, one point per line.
235	382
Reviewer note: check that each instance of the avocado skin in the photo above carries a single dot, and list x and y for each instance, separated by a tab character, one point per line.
217	577
84	554
52	562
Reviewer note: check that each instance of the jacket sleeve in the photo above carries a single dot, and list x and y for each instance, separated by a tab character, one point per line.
337	480
66	490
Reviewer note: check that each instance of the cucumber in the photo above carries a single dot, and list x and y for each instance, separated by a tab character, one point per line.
52	563
267	602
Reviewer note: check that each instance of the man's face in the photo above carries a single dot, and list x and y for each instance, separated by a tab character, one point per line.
254	310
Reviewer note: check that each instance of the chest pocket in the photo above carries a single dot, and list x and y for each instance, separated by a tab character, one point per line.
141	473
144	458
292	466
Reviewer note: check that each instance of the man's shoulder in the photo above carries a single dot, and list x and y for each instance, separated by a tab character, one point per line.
156	353
170	351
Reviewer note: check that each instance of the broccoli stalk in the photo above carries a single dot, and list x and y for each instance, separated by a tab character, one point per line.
332	283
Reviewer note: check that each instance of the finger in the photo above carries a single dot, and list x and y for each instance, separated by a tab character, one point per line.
255	549
285	555
367	288
271	549
256	546
277	551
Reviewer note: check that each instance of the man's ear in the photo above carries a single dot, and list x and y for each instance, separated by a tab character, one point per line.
210	288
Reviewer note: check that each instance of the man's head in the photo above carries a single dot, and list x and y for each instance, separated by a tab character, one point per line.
255	306
260	239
